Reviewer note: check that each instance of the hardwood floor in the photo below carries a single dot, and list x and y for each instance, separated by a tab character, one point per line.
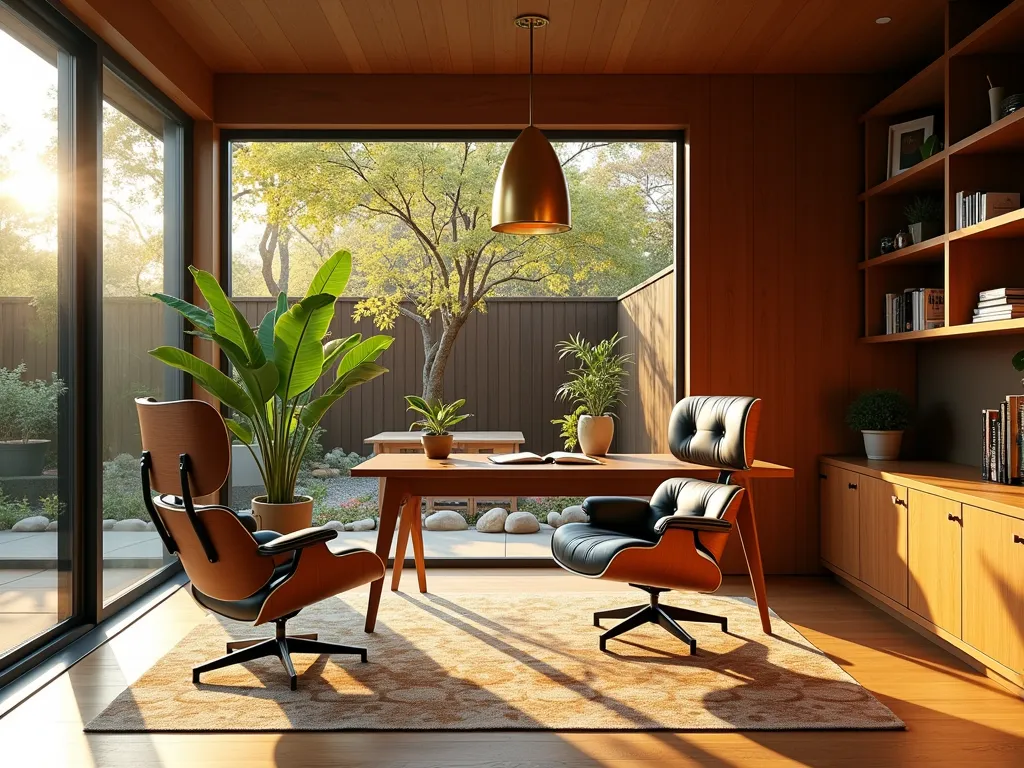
954	715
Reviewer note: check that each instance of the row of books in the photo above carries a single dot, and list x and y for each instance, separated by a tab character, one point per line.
999	304
1002	460
916	309
976	207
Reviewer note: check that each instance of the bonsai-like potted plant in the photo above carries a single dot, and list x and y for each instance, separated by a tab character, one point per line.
881	416
278	365
596	386
28	419
438	418
924	215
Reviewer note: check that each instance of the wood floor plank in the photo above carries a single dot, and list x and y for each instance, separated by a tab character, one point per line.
955	716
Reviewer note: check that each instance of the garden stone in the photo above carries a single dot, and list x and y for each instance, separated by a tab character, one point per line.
446	520
492	521
32	524
554	519
321	473
546	527
521	522
52	526
366	524
335	525
108	525
131	524
574	514
150	526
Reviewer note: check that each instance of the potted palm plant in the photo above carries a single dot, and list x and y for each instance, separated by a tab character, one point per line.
596	386
438	418
277	365
28	419
881	416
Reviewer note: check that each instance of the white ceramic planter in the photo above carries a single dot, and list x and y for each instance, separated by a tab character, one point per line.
595	434
244	471
882	445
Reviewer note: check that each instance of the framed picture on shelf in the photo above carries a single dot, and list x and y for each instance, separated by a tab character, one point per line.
905	140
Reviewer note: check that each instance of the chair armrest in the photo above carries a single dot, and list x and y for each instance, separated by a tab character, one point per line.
290	542
623	514
692	523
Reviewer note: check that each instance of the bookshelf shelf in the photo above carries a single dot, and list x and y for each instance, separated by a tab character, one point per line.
993	328
1007	135
1006	227
927	251
925	89
928	174
1003	33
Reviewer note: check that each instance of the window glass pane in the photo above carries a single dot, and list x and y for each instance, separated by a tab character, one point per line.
402	208
35	529
136	205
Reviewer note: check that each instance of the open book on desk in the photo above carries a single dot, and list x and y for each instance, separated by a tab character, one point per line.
555	457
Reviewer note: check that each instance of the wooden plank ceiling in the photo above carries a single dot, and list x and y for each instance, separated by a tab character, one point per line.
585	36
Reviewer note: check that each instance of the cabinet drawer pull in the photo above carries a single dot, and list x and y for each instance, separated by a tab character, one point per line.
852	486
822	476
1017	539
955	519
898	501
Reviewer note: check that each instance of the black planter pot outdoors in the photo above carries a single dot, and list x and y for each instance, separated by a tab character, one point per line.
23	459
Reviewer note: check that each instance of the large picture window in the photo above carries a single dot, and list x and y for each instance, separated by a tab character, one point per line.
475	315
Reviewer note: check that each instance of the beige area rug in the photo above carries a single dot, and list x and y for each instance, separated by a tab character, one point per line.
524	662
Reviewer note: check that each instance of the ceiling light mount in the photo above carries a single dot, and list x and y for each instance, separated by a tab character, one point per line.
883	19
532	21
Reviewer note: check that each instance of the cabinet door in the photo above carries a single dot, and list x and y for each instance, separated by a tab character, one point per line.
934	557
994	585
839	518
883	537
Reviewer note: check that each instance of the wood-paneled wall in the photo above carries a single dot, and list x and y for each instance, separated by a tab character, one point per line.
646	318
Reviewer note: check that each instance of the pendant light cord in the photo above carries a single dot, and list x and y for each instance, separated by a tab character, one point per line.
531	73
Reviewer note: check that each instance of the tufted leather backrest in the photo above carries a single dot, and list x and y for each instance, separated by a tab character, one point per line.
718	431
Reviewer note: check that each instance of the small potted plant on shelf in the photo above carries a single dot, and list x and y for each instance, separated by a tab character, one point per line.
881	416
596	387
28	420
438	417
924	215
277	366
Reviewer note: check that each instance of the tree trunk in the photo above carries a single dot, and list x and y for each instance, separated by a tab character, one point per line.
433	370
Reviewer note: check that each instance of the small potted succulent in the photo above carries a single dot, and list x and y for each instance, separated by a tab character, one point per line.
438	417
28	420
924	215
881	416
596	387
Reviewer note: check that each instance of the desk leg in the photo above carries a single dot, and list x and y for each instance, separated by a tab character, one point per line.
390	507
752	551
404	524
416	531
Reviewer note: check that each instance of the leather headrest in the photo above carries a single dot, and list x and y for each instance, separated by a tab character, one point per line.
716	431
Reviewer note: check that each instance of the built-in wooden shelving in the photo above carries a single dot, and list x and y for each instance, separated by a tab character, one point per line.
977	156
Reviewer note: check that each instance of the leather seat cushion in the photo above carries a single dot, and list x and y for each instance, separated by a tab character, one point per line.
581	548
248	608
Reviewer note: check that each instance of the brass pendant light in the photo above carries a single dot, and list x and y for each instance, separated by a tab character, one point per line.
530	195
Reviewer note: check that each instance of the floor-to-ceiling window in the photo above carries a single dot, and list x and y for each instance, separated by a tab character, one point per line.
415	214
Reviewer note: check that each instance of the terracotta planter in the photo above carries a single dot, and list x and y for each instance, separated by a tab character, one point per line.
23	458
882	445
595	434
437	446
283	518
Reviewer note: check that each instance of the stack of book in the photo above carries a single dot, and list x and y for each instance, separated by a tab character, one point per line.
999	304
976	207
1002	460
916	309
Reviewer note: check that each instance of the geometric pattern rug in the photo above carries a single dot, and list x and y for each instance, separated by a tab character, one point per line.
504	662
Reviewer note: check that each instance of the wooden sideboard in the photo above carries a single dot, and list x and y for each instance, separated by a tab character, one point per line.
936	547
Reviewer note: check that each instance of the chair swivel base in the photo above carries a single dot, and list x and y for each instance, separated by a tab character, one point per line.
282	645
665	616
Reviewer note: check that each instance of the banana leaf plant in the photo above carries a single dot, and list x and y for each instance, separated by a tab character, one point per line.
277	365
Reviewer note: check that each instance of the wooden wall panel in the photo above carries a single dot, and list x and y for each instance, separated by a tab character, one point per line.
645	319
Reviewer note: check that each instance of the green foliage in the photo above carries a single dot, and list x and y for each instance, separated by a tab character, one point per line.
12	510
568	424
1018	361
278	365
880	409
52	506
539	507
348	511
122	489
314	449
928	148
924	209
596	385
438	417
338	459
28	409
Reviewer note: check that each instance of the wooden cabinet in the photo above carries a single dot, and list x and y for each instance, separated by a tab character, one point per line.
934	526
840	516
883	536
993	585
